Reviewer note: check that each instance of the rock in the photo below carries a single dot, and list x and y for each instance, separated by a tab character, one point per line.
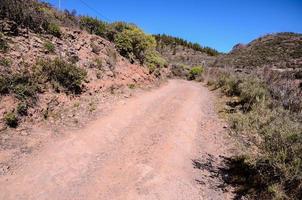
109	73
78	47
4	169
16	54
72	36
9	27
24	133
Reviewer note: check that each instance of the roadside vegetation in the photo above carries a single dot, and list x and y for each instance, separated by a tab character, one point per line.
27	83
275	171
131	42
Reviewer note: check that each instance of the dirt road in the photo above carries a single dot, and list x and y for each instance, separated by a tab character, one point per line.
142	150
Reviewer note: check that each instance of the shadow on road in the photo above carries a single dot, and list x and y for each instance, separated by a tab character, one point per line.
221	173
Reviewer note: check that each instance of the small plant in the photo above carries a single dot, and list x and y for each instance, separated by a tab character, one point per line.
22	109
5	62
99	64
195	72
131	85
92	107
252	90
54	30
22	84
67	75
3	44
154	61
49	47
11	119
4	84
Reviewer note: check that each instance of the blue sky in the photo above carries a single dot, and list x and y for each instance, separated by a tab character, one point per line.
216	23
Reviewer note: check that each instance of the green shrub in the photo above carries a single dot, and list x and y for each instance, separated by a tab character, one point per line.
3	44
93	25
25	13
229	84
131	85
23	84
22	108
4	84
67	75
252	90
279	161
154	60
180	70
277	170
11	119
134	43
5	62
195	72
24	90
50	47
54	30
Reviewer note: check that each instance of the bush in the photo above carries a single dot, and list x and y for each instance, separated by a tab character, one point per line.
279	161
93	25
4	84
231	85
22	84
25	13
5	62
22	109
276	172
54	30
154	60
11	119
67	75
131	86
3	44
134	43
252	90
195	72
50	47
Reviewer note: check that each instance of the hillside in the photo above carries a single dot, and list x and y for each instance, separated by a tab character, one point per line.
279	51
56	57
180	51
274	58
182	55
262	85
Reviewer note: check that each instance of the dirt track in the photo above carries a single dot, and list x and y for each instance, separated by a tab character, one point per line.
142	150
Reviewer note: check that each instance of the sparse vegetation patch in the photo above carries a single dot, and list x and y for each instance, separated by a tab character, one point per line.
195	72
11	119
276	171
67	75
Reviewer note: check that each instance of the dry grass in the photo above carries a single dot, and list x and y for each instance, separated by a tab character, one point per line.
276	172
